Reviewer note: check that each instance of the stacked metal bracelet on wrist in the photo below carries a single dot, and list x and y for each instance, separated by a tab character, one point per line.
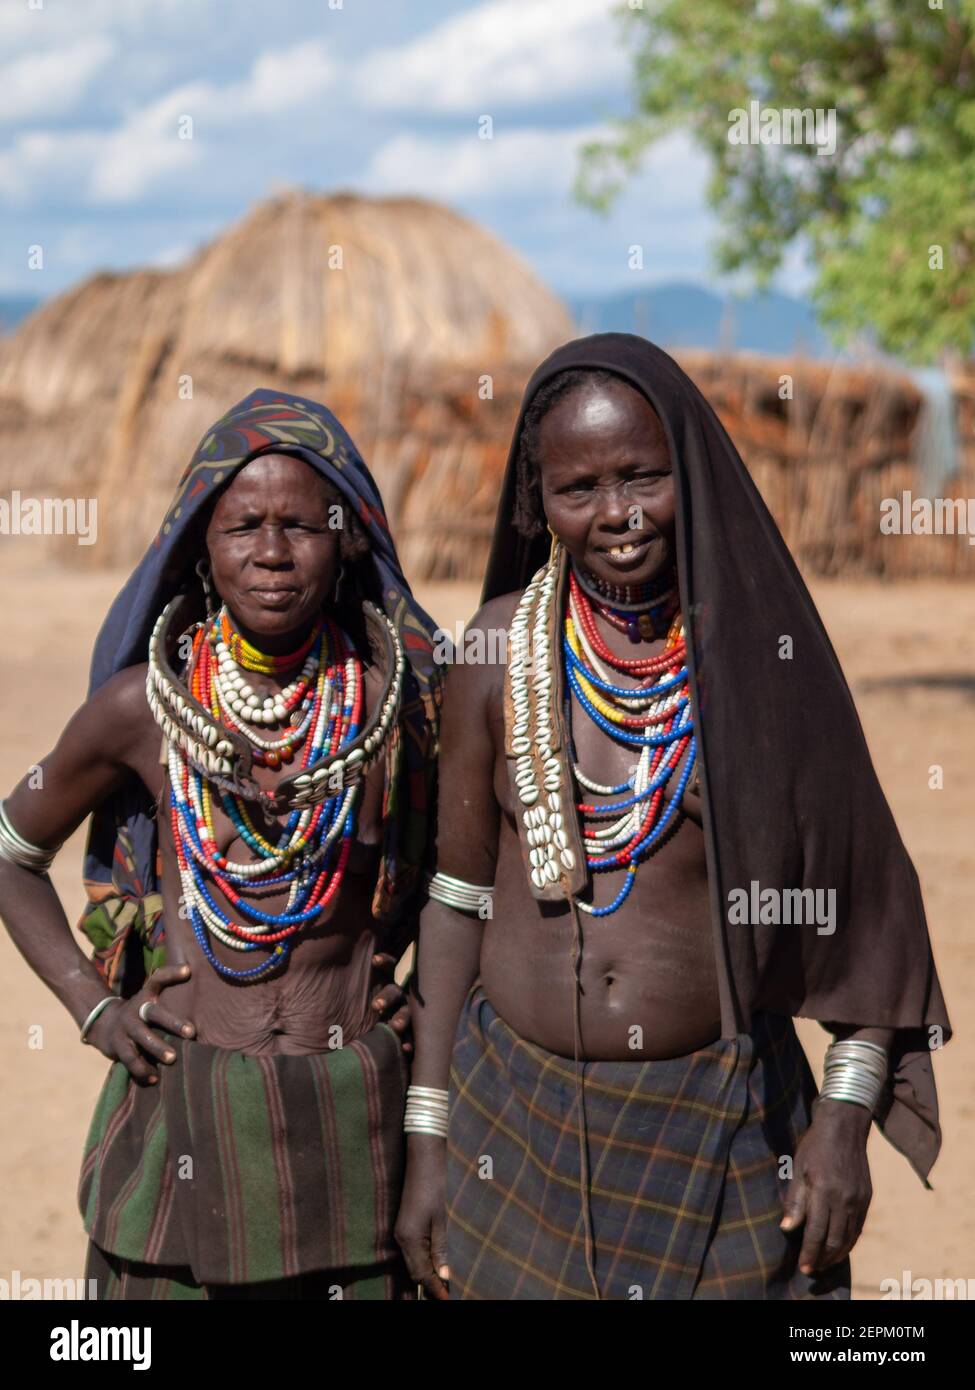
456	893
426	1111
854	1071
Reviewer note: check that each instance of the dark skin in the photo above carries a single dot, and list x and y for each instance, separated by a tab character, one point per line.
607	482
273	544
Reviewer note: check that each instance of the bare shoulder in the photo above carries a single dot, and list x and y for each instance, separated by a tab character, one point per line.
116	720
103	743
497	612
478	670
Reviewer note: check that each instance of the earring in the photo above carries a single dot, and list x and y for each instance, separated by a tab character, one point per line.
553	548
205	576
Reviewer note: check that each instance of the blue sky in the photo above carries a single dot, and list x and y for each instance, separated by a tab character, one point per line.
379	96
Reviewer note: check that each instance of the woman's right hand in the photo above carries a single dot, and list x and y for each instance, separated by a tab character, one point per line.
421	1225
122	1036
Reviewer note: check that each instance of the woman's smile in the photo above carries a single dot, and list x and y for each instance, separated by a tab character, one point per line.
625	555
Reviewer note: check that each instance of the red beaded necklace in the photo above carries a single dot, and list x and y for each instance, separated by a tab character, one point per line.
638	666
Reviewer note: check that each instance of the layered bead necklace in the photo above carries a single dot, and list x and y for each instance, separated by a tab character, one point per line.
642	611
653	716
324	706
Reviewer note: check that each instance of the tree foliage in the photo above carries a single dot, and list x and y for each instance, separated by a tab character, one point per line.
900	76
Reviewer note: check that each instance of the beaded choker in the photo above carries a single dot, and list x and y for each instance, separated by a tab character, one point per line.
627	596
251	659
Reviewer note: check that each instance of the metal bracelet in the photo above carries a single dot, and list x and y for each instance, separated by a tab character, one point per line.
426	1111
16	850
454	892
854	1071
97	1012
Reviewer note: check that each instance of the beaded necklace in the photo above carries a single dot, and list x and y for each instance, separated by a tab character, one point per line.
310	855
626	595
253	660
653	716
547	654
642	611
223	747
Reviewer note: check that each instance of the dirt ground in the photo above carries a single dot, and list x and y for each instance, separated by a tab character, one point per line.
907	652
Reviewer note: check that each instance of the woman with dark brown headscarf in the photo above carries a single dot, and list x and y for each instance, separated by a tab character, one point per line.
661	838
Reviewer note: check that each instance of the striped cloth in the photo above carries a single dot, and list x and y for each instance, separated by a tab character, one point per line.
245	1169
683	1158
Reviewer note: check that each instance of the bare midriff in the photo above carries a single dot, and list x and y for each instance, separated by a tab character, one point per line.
649	984
325	986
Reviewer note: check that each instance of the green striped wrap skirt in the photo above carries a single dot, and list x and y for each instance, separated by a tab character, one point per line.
246	1170
684	1158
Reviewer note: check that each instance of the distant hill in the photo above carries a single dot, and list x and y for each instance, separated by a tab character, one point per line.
685	315
15	307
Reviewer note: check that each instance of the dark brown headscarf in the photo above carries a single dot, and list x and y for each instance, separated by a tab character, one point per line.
791	799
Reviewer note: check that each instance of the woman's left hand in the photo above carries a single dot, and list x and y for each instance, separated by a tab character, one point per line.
830	1189
391	1005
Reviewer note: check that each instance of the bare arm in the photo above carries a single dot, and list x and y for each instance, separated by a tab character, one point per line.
97	751
86	765
449	948
468	820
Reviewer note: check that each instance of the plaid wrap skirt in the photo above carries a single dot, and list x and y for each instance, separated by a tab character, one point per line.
685	1160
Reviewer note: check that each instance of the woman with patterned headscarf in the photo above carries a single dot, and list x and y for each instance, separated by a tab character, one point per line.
257	754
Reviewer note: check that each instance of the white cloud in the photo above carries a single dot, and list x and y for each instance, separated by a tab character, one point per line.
40	159
528	162
50	83
119	165
131	158
524	178
282	80
149	144
515	52
59	20
516	163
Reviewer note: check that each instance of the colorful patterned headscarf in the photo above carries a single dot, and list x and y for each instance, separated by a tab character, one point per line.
123	917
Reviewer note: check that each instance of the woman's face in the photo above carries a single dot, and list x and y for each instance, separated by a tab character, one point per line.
273	542
607	482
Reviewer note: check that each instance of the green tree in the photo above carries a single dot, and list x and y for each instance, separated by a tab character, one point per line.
900	76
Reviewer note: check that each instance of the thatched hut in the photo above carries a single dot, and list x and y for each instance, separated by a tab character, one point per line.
415	325
419	329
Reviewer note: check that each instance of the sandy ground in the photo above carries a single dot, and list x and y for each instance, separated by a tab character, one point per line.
906	650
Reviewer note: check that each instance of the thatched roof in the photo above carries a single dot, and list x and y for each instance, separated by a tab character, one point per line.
374	305
394	311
